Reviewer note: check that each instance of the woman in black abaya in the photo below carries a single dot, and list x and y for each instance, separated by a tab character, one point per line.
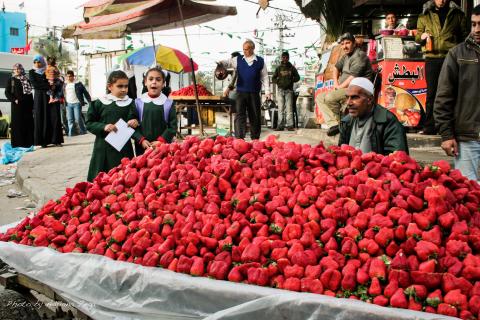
19	92
48	123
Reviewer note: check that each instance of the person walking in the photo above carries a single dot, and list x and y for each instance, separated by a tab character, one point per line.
19	92
285	76
441	27
456	110
75	96
354	63
251	75
48	124
367	126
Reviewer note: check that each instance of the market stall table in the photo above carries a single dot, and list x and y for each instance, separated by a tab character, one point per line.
208	105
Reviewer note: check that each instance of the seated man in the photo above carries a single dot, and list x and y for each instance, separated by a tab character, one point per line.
354	63
367	126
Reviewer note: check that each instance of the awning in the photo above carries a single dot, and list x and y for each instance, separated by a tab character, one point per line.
145	16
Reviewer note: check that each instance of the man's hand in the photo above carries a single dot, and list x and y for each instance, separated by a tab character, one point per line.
16	101
336	85
133	123
450	147
110	127
425	36
146	144
226	92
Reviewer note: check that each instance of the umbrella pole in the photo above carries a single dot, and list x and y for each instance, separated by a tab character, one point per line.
193	69
154	49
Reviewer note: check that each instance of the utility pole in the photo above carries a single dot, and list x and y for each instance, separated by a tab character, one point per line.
280	23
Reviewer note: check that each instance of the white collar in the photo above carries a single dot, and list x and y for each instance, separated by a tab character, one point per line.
109	98
160	100
251	58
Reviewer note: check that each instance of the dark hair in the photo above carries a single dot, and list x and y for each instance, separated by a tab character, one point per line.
285	54
389	13
51	60
158	69
114	76
70	73
476	11
235	54
346	36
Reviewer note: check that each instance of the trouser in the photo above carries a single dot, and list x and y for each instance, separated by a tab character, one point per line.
468	159
248	102
432	71
63	117
331	105
285	112
74	111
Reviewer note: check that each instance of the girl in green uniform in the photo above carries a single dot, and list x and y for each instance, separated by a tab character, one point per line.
102	115
157	115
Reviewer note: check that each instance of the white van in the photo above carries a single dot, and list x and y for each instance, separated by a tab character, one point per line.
7	60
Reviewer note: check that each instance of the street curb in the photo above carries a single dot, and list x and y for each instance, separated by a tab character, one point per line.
28	184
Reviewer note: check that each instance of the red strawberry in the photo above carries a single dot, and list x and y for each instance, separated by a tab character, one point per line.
446	309
399	300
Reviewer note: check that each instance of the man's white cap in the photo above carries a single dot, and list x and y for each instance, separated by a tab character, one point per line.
363	83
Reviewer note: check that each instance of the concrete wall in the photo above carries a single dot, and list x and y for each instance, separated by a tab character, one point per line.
10	20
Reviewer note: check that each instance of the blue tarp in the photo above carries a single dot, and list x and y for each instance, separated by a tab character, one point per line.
11	155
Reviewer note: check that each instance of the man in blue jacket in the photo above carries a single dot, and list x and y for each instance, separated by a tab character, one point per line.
75	92
251	75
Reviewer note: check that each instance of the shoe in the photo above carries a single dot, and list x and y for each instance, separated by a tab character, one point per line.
44	146
333	131
58	145
291	129
278	129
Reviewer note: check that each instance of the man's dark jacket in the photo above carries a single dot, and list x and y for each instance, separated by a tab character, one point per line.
456	109
285	76
80	92
388	134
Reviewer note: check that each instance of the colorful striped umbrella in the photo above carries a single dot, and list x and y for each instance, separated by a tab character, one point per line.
168	58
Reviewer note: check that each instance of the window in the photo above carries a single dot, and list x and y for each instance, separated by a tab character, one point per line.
14	31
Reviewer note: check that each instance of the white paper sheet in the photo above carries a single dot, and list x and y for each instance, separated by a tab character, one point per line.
121	137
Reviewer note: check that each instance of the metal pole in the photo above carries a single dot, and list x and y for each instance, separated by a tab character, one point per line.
154	48
193	69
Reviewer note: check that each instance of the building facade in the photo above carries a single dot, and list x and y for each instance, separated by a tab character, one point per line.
12	31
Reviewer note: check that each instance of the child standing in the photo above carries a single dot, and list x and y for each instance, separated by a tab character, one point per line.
53	76
157	114
101	118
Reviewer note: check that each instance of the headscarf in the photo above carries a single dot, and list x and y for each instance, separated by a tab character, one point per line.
27	87
40	58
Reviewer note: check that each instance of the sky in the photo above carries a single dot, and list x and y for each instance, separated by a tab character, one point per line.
206	41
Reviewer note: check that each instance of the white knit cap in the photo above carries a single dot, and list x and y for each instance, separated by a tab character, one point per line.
363	83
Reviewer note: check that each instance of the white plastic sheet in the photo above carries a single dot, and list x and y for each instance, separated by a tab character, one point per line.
107	289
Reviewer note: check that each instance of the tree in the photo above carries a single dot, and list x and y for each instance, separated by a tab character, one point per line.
48	47
205	79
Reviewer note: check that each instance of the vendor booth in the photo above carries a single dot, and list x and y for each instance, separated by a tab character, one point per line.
396	59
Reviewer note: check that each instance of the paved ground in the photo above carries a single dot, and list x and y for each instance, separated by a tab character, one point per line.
45	173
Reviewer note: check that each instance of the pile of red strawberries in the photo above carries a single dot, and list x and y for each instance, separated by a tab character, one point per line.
190	91
331	221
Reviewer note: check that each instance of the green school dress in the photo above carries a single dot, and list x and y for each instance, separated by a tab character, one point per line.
153	125
101	112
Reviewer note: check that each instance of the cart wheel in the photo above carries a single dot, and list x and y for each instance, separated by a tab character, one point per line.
14	306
